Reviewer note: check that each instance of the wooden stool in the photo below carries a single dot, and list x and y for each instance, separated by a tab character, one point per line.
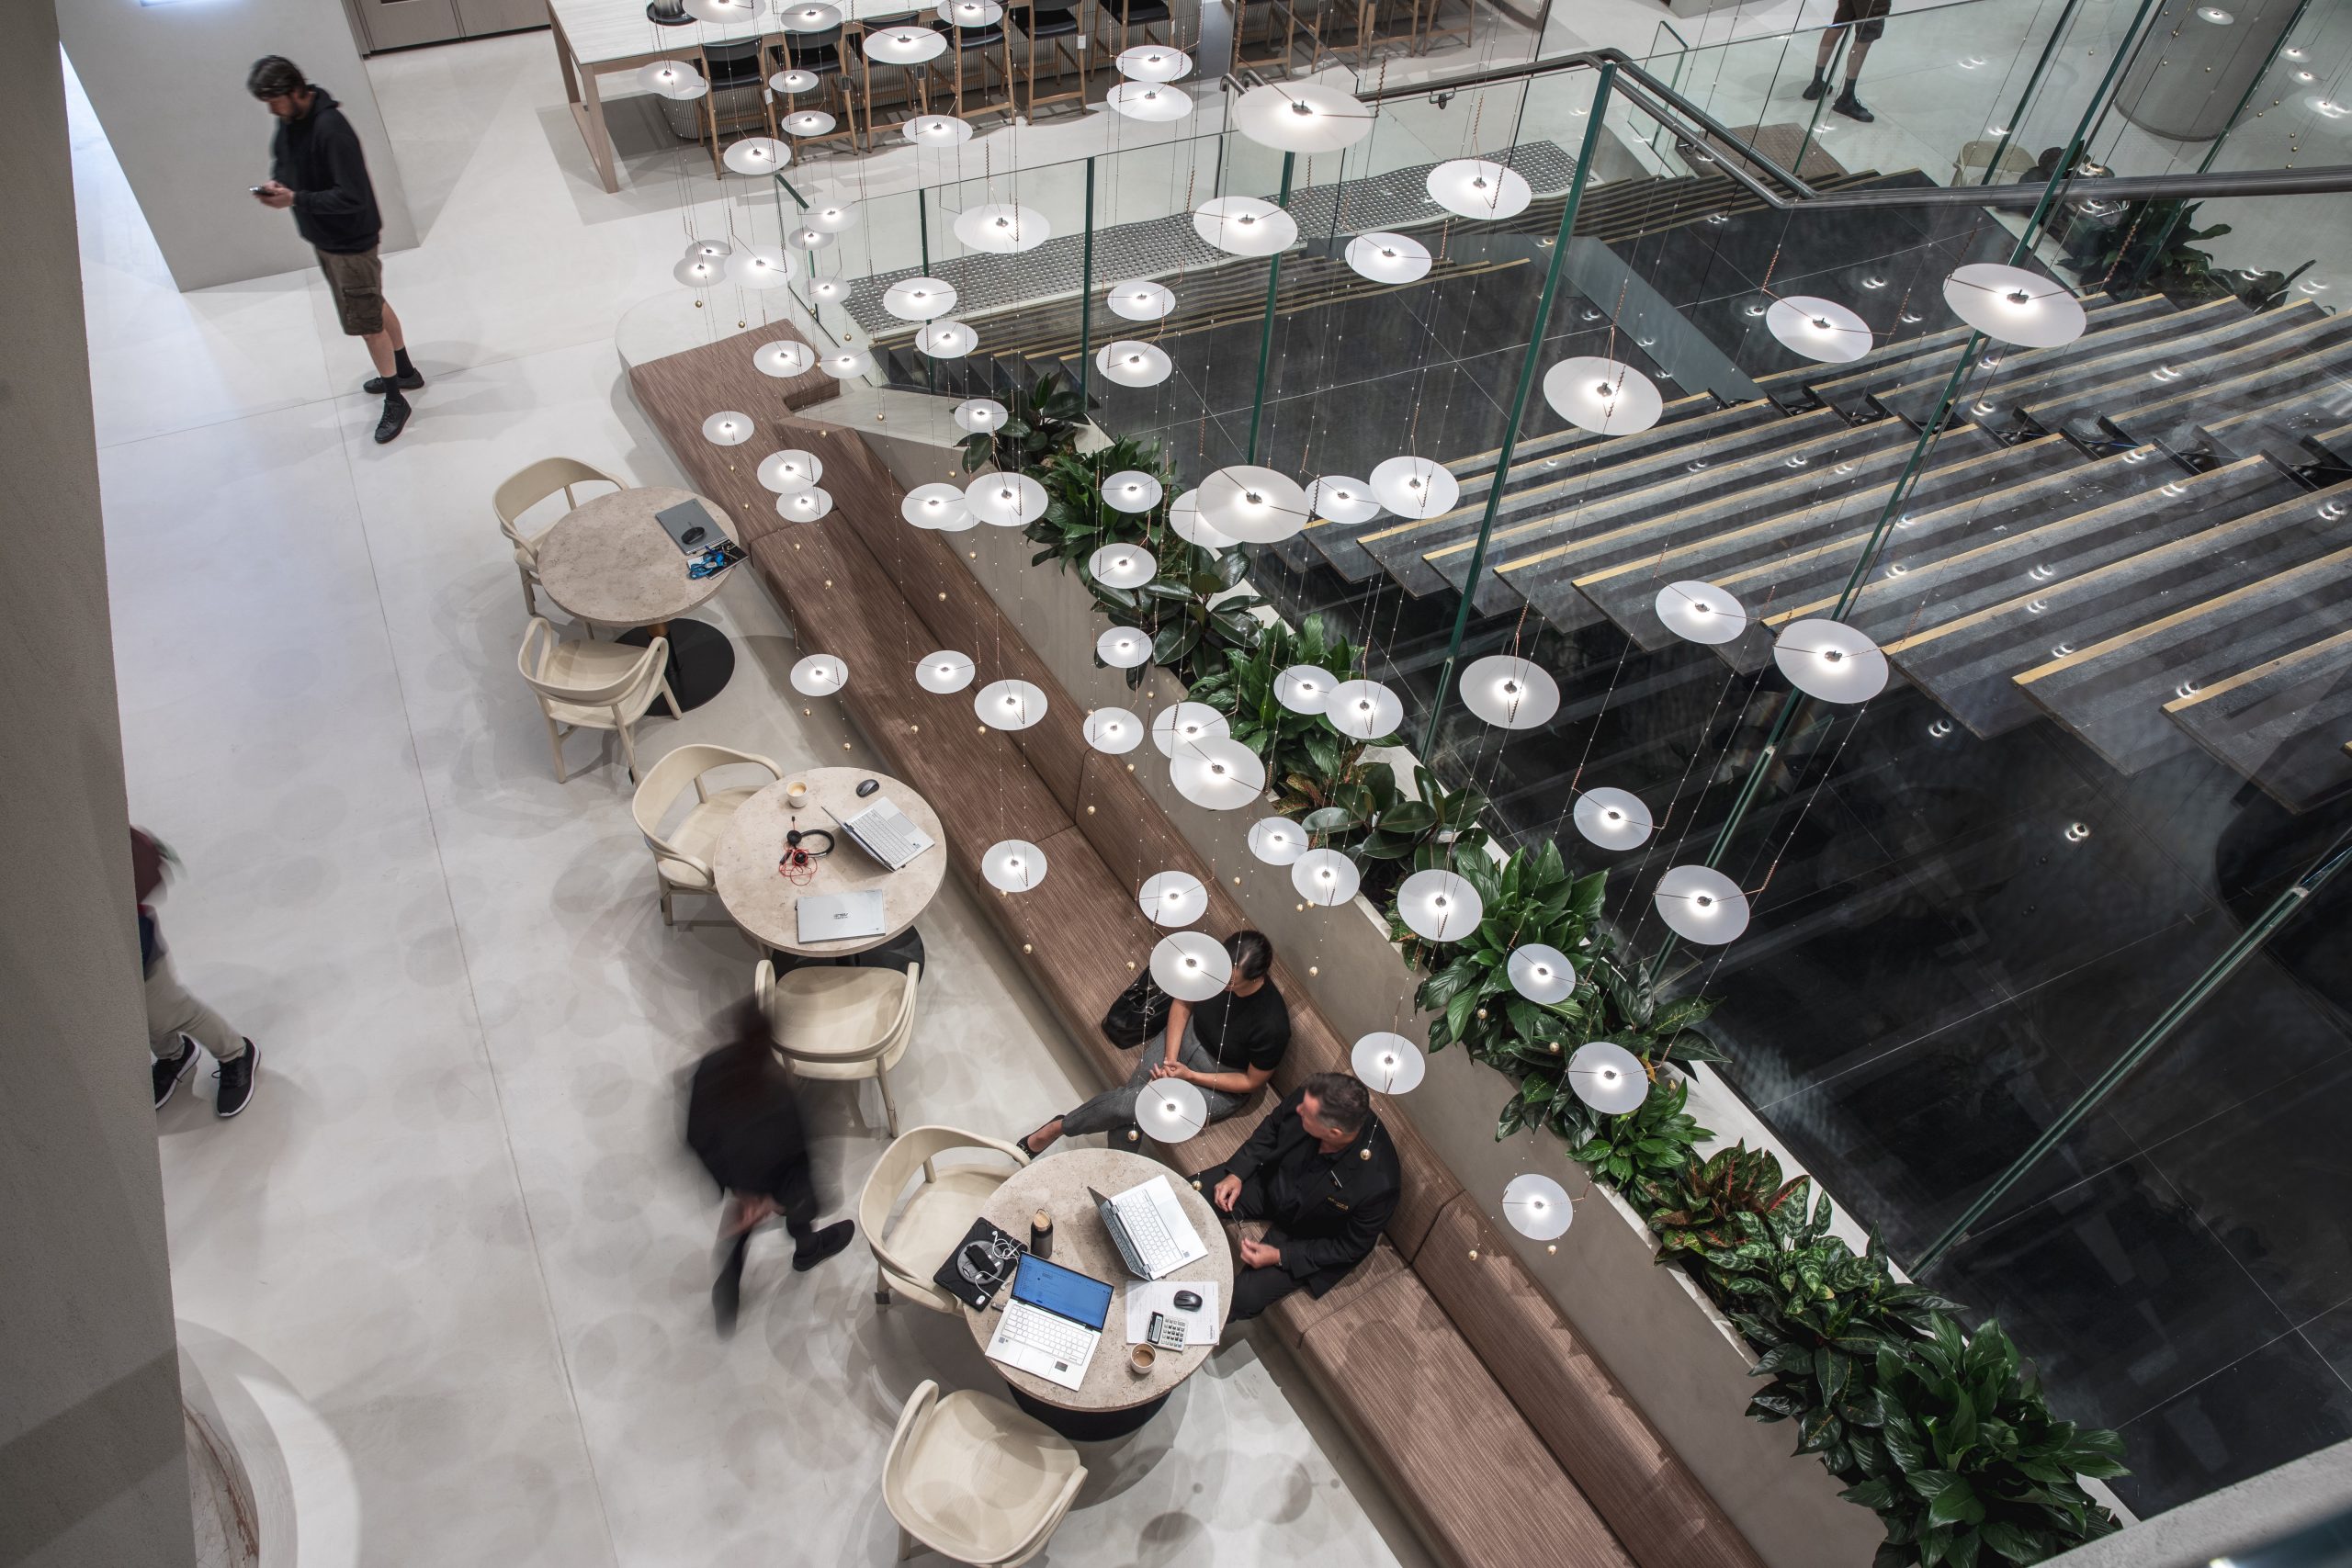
1040	24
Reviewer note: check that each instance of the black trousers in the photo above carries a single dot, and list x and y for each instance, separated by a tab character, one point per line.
1255	1290
796	1197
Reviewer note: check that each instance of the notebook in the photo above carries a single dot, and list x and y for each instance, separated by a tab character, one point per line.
839	916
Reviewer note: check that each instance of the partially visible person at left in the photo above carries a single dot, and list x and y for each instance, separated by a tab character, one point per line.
316	168
177	1023
1321	1172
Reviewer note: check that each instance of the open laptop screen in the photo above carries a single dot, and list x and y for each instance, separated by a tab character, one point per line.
1063	1292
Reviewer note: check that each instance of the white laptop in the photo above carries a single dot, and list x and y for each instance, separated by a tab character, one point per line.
839	916
1149	1227
883	831
1052	1319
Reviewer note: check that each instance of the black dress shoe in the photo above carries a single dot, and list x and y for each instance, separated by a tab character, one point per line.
1849	106
396	412
816	1248
170	1070
406	380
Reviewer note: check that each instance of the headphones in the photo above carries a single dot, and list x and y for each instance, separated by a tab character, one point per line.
798	862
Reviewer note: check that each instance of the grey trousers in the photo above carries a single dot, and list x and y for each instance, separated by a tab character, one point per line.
1114	1110
173	1010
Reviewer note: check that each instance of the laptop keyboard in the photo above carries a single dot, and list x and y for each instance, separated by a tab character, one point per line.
888	834
1150	1235
1057	1337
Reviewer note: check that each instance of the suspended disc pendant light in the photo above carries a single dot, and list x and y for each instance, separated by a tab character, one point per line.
1152	62
918	299
1140	300
1388	1063
1440	904
1001	227
808	240
672	79
1607	1078
1184	517
834	218
700	271
1365	710
830	290
1701	904
1305	688
790	469
1253	505
820	675
804	505
945	340
1277	840
1325	878
1537	1207
981	415
1614	819
1541	973
1172	898
1009	704
1005	501
1122	565
1153	103
758	269
936	130
1605	396
1700	612
1510	692
946	671
1821	330
1132	364
808	122
709	250
970	13
1474	188
1131	490
1170	1110
1114	732
846	363
1336	498
939	506
1302	117
1220	774
1244	226
809	16
2012	305
757	155
1013	866
1414	487
1123	647
793	83
728	428
1388	258
904	45
781	358
723	13
1831	661
1192	966
1179	724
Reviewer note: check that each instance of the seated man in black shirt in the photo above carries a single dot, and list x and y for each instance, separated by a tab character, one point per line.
1229	1046
1321	1171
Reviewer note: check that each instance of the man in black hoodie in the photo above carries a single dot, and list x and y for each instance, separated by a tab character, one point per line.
317	169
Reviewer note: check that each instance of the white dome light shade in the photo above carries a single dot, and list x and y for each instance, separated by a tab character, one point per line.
1831	661
830	290
970	13
1510	692
834	218
936	130
790	469
2011	305
1415	487
809	239
809	17
1131	490
1005	501
1363	709
728	428
808	122
1607	1078
1541	973
757	155
723	13
1221	775
1614	819
1152	62
672	79
981	415
1387	1063
709	250
1114	732
1475	187
940	506
1170	1110
1701	904
1009	704
944	671
1184	516
781	358
905	45
794	83
1305	688
1192	966
1336	498
1440	904
1001	227
1821	330
1538	1207
1013	866
820	675
1388	258
1140	300
1132	364
1256	505
804	505
945	340
1153	103
1302	117
758	269
1277	840
1325	878
918	299
1605	396
846	363
1244	226
1180	724
1123	566
700	271
1700	612
1124	648
1172	898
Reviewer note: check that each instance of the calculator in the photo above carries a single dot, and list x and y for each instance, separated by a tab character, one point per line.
1166	1331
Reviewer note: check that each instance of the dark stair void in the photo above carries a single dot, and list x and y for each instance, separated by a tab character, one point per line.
2285	722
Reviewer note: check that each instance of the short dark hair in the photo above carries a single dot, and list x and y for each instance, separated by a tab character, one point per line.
1252	954
273	76
1345	1102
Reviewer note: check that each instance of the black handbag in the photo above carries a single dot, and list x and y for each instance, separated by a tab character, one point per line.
1140	1012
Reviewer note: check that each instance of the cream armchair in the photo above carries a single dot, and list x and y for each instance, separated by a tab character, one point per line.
521	491
975	1480
839	1024
593	685
682	856
909	1249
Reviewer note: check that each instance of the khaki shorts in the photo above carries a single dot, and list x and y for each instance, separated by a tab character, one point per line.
356	281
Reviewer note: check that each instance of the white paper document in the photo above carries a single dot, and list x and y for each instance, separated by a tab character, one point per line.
1148	1296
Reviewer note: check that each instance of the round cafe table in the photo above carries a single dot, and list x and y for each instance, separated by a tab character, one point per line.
611	562
761	899
1113	1400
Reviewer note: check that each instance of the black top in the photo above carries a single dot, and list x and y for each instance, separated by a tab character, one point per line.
744	1125
318	158
1244	1031
1325	1212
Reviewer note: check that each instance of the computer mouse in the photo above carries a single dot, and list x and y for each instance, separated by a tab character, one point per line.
1188	1301
869	786
691	535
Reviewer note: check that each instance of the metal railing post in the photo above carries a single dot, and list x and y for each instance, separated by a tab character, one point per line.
1086	295
1266	333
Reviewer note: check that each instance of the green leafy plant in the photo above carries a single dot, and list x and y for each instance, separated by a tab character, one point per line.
1075	521
1388	831
1698	1213
1654	1139
1196	622
1300	748
2154	243
1043	418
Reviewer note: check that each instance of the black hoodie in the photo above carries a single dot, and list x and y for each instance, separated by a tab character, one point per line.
317	157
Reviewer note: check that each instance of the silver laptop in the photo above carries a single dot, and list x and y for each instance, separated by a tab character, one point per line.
1053	1320
1149	1228
883	831
839	916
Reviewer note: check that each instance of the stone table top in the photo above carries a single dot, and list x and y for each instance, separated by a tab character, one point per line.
1057	1184
762	901
611	562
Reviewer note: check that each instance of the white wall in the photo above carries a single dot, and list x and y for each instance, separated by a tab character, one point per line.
168	81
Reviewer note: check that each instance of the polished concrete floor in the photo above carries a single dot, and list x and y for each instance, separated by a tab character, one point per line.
453	1252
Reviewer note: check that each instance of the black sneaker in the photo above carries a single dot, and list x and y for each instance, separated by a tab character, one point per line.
815	1248
236	1075
1846	105
170	1070
396	412
1820	86
406	380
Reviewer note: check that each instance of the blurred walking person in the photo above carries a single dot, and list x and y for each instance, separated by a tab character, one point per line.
177	1023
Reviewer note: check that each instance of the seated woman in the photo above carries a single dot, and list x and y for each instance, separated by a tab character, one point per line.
1228	1046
